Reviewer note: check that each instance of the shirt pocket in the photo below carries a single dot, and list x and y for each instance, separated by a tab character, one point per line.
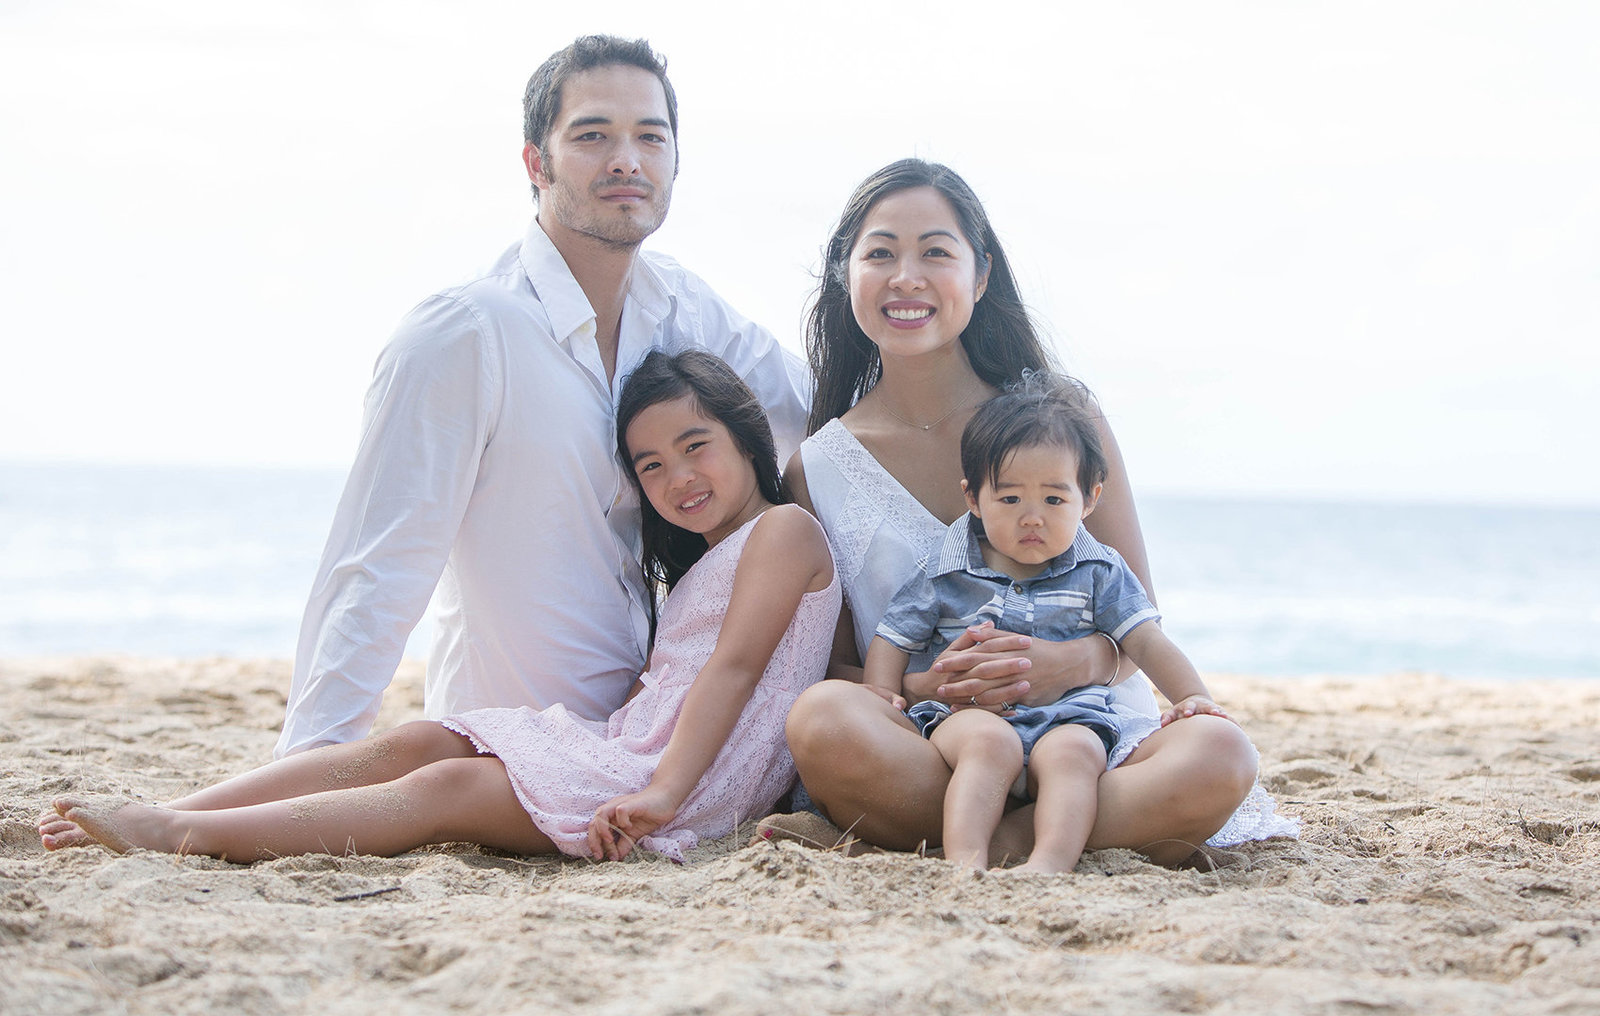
1069	611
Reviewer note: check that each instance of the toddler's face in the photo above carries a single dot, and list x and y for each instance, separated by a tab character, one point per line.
1031	512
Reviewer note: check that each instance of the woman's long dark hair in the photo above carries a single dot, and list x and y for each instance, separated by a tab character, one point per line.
718	394
1000	341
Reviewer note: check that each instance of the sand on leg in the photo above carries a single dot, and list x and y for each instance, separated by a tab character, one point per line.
1064	770
377	759
455	800
371	760
985	755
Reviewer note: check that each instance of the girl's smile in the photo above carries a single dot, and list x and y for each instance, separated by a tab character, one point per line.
693	470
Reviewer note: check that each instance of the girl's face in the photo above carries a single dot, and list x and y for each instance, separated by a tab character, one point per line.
914	277
692	470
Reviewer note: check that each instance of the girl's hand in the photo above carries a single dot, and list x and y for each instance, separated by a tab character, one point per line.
620	823
1191	706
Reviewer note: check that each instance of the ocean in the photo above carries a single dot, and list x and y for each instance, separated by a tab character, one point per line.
181	561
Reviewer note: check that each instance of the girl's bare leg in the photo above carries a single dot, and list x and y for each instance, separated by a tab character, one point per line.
1063	772
986	756
377	759
455	800
864	764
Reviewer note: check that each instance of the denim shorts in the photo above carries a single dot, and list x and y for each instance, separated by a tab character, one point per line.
1089	706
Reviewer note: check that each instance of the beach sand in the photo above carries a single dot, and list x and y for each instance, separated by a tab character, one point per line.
1449	863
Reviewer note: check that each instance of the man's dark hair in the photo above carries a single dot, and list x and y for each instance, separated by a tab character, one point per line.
541	101
1041	409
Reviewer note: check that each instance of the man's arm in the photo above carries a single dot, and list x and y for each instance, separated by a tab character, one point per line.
427	417
780	379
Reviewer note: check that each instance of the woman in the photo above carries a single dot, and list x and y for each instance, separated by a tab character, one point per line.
918	320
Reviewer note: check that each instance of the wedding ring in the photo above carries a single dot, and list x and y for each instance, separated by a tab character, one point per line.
974	700
1005	706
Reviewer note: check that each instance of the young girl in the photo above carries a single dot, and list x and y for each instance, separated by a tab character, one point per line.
697	746
1020	560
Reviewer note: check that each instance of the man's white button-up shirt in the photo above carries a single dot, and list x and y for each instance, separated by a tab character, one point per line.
487	467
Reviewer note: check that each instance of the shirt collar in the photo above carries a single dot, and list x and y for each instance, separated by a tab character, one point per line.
564	300
960	552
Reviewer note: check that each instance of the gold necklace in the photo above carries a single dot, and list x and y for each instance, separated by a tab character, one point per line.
929	426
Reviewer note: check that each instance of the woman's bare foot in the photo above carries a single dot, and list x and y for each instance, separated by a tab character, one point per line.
119	827
57	833
811	830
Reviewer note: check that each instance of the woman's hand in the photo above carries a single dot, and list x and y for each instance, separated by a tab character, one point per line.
1001	669
620	823
1191	706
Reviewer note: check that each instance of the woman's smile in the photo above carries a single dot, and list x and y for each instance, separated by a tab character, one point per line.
914	276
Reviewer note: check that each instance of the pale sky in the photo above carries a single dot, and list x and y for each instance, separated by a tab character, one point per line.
1339	250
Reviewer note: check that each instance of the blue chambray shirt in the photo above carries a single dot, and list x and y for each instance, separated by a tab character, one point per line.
1087	588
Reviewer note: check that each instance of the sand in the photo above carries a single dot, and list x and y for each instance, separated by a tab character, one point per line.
1450	863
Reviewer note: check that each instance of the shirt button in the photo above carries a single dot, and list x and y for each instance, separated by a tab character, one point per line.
1016	587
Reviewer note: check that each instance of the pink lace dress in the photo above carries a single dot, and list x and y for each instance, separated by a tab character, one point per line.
563	767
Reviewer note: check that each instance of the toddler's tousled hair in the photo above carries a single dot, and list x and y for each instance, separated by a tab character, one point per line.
1041	409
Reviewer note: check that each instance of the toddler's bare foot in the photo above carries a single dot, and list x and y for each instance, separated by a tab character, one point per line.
57	833
120	828
1037	865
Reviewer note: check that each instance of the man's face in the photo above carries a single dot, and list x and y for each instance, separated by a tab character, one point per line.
607	167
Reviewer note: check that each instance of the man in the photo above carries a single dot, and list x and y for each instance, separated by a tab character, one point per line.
487	464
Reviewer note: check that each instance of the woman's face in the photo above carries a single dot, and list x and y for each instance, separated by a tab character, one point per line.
914	277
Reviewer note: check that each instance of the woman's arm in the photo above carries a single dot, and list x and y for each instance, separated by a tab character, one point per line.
845	664
785	557
1115	519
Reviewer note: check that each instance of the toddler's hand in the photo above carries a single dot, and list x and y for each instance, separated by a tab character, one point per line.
898	701
1191	706
620	823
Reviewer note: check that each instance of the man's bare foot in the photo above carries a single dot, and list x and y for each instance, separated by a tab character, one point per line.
57	833
811	830
119	827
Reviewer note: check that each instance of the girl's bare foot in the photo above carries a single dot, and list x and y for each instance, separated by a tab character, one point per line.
57	833
120	828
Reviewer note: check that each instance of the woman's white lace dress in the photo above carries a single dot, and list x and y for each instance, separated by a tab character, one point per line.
879	533
563	767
